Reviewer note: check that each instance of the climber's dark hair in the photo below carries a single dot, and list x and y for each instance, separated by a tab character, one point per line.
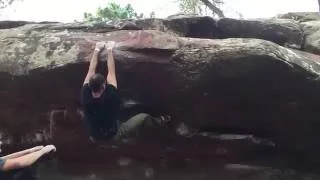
96	82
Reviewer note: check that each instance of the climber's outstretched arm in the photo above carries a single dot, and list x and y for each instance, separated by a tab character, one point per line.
22	153
111	77
25	160
94	61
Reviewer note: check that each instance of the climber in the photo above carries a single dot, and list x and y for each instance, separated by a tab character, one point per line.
101	101
24	158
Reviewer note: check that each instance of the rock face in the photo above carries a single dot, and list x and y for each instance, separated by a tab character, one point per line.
12	24
281	31
196	27
312	33
238	85
301	16
310	23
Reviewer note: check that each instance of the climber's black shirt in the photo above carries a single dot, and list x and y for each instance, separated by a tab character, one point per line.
101	113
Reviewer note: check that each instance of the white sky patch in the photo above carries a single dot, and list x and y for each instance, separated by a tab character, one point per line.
270	8
70	10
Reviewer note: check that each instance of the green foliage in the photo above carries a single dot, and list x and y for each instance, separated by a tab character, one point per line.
198	6
191	6
5	3
113	11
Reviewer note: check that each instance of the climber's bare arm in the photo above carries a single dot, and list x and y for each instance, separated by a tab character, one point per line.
94	61
26	160
111	76
22	153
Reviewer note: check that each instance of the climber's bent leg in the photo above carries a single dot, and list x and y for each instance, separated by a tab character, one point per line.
137	121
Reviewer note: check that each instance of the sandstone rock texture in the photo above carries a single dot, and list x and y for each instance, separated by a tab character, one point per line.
301	16
233	76
309	24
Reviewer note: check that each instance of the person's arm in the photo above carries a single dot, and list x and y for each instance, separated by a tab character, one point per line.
111	77
94	61
26	160
22	153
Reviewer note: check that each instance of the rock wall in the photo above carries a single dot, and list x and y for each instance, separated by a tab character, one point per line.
228	76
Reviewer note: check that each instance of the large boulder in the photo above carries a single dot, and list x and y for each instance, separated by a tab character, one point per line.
232	85
186	26
285	32
301	16
12	24
311	31
310	24
281	31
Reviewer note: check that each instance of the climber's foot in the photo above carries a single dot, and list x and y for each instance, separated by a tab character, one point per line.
162	120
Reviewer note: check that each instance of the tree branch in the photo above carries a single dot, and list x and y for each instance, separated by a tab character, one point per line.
213	8
218	1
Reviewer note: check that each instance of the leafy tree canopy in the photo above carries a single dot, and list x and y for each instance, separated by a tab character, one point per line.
113	11
196	6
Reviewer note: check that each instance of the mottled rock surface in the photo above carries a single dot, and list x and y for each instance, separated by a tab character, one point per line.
242	85
281	31
301	16
311	31
211	76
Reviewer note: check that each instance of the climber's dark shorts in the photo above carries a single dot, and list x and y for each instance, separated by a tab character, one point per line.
123	129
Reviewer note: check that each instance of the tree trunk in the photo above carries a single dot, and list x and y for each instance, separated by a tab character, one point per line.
214	8
319	4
